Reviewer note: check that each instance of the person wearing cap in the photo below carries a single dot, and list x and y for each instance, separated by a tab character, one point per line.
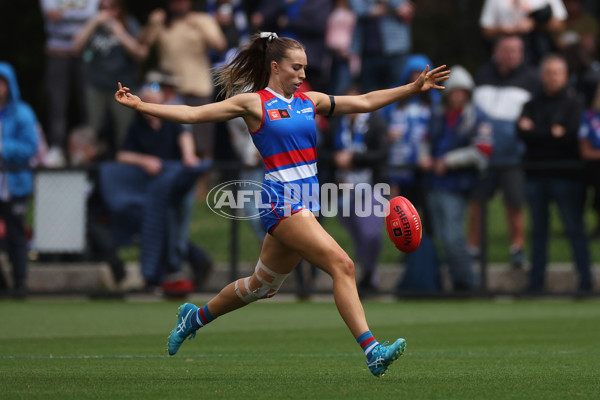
460	145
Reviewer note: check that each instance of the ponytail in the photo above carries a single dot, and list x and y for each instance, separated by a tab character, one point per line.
250	69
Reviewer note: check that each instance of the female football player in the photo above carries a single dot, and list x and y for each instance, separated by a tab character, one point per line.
261	85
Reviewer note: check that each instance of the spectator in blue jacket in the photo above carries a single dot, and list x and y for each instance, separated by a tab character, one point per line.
18	143
408	130
460	140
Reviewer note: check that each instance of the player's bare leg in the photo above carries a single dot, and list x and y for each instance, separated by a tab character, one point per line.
298	236
274	255
303	234
264	282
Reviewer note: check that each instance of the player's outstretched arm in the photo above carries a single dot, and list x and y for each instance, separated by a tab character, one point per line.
237	106
375	100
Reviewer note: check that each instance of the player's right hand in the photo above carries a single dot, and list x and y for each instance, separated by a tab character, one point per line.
127	99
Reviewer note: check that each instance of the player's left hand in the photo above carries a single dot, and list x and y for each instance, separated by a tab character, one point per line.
430	79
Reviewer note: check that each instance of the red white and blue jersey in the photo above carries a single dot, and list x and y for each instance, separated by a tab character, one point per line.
287	140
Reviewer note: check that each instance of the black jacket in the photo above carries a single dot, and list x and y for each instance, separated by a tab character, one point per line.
540	146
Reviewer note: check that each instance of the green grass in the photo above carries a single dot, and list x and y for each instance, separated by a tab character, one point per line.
278	350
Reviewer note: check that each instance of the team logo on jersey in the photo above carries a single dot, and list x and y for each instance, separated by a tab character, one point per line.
278	114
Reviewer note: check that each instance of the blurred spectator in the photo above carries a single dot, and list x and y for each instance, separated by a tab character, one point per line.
86	151
167	84
263	15
549	127
461	143
503	85
112	54
184	39
578	44
18	144
584	24
408	128
536	21
382	39
64	69
39	159
149	144
231	17
408	143
584	72
306	21
252	170
345	65
589	148
360	155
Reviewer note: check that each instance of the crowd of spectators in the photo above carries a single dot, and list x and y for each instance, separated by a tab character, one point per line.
534	100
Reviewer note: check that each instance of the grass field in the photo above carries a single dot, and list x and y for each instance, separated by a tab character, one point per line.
299	350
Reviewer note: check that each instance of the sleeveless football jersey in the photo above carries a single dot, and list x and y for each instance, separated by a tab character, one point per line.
287	140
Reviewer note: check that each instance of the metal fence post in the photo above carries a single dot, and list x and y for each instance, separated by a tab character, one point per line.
234	240
483	262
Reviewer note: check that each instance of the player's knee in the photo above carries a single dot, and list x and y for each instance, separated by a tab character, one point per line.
344	266
265	285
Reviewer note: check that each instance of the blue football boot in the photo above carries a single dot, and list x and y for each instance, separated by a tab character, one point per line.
183	329
382	356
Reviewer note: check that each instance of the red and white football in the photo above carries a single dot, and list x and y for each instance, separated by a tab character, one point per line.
403	224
